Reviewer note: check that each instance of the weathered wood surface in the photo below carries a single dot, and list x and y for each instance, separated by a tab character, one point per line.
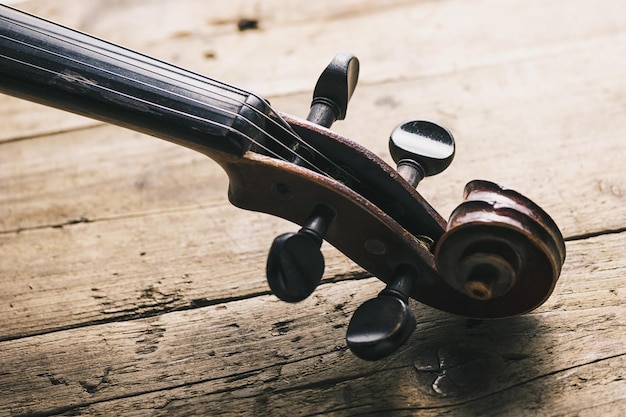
131	287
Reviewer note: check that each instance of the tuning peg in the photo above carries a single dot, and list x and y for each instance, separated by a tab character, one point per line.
421	149
381	325
334	89
295	264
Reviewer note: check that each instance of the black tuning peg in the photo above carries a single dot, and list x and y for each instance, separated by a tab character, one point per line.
295	264
381	325
334	89
331	95
421	149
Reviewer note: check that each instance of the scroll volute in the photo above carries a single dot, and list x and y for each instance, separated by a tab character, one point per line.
500	250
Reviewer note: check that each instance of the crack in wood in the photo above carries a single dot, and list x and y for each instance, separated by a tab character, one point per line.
115	217
281	327
53	379
381	410
87	126
595	234
93	387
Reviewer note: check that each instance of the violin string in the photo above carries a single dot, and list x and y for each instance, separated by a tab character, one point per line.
203	119
202	82
277	121
212	122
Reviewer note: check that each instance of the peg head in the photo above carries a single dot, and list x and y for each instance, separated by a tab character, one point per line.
421	146
334	89
381	325
295	266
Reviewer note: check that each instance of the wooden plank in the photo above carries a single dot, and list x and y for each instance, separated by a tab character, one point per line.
525	96
167	28
51	180
543	395
131	287
120	269
109	295
130	267
258	352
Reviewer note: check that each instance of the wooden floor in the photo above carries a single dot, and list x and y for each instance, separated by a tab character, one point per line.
130	286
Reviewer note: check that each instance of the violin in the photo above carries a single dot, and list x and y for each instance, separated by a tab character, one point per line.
498	255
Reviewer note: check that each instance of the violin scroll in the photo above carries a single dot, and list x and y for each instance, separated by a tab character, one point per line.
501	250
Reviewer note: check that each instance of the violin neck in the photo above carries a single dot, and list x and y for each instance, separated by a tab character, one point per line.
46	63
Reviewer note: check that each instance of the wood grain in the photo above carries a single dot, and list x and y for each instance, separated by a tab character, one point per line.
230	355
131	287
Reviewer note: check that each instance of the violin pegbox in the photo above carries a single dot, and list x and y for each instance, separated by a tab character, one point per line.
499	255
